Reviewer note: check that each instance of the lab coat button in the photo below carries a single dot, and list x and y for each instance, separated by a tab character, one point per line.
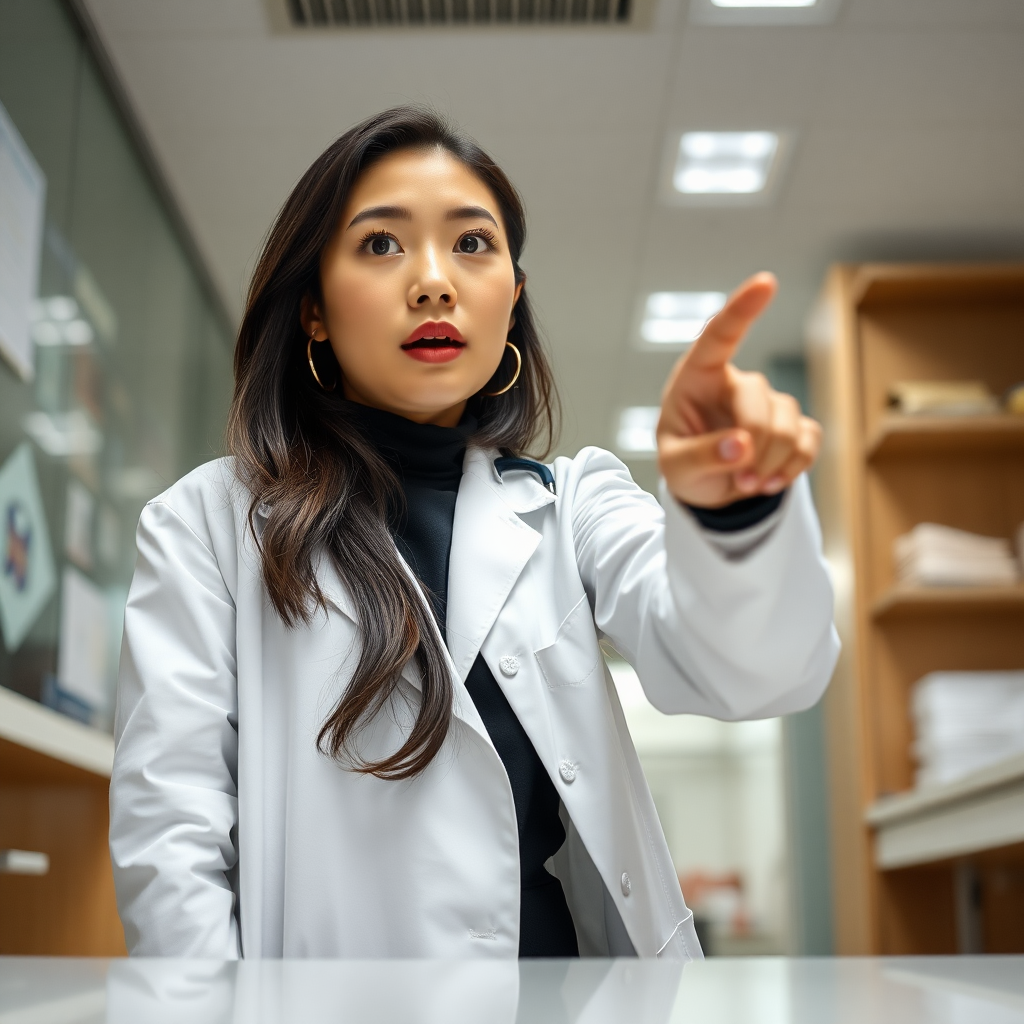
627	885
568	771
509	665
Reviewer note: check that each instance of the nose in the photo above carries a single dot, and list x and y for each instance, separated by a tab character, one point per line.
432	285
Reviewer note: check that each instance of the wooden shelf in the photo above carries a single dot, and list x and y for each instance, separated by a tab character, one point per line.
38	730
982	811
880	473
898	435
903	600
882	283
54	777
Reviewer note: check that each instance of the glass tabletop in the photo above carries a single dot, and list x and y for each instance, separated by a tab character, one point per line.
937	990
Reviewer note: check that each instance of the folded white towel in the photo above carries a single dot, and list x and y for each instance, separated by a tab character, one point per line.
935	555
964	721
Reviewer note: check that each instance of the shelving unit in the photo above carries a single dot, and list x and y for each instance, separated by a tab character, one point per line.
905	600
54	774
982	811
918	435
899	854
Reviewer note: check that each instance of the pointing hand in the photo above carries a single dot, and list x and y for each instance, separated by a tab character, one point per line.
725	434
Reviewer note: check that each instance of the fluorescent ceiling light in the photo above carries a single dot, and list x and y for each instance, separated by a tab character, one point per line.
63	434
764	12
56	321
677	318
60	307
730	163
635	434
764	3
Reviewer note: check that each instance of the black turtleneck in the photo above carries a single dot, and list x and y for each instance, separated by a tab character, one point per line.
428	460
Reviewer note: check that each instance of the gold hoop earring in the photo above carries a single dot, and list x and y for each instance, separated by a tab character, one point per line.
312	366
515	376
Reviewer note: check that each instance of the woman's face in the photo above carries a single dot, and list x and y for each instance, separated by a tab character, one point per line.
417	286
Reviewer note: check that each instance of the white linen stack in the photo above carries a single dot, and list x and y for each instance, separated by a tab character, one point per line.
943	397
964	721
941	556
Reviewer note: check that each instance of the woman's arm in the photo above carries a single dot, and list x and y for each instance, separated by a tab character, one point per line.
173	798
708	633
734	625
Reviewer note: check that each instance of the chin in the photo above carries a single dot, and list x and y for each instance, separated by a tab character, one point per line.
426	398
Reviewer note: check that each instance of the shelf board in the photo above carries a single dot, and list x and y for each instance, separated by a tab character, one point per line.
884	283
982	811
904	600
922	435
30	726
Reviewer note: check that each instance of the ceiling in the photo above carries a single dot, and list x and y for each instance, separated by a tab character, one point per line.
907	121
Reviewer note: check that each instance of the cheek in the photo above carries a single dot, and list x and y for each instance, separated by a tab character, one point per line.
494	303
360	310
359	304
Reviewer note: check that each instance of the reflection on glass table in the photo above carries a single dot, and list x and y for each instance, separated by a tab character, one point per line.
911	990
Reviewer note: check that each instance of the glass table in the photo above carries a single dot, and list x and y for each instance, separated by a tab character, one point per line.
912	990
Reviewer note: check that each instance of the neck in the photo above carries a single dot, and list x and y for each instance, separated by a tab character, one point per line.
450	416
416	451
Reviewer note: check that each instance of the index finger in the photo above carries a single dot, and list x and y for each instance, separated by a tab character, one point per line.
723	333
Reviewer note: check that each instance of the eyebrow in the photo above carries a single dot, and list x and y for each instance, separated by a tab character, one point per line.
404	213
382	213
468	212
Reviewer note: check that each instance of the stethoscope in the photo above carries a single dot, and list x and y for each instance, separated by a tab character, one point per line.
547	478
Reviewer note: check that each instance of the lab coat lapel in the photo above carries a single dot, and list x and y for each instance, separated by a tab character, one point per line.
490	547
337	594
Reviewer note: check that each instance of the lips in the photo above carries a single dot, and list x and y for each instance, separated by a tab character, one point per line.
436	341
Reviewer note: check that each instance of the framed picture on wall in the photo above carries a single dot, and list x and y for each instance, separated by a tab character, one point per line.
22	205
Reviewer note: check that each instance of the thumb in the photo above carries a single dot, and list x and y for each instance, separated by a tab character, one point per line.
704	455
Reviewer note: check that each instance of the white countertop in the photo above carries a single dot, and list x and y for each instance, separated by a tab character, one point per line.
29	724
905	990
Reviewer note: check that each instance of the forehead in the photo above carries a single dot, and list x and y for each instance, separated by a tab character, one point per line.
425	181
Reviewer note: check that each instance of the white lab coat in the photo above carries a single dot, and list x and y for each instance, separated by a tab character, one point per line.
231	835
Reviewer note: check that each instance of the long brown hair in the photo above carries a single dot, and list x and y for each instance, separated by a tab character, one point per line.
328	491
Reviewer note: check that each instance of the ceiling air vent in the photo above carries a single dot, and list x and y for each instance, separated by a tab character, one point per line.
411	14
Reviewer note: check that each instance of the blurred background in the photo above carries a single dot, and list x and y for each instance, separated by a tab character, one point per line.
665	150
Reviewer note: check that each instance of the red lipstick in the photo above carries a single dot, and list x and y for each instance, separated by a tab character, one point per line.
436	341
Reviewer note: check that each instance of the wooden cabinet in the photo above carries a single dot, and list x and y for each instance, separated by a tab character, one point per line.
54	775
940	872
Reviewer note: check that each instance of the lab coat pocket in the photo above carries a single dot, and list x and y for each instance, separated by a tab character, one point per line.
575	654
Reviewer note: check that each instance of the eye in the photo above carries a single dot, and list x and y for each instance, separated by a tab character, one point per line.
380	243
475	242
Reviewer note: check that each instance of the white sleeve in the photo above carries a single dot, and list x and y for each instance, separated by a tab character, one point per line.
709	633
173	799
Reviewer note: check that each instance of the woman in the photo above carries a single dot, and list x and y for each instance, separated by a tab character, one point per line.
362	709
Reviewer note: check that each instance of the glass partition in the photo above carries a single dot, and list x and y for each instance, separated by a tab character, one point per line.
130	378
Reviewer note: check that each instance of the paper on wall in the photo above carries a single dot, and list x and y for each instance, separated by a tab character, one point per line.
22	206
27	573
78	520
83	655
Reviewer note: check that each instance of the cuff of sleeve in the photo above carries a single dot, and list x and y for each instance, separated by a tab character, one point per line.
740	515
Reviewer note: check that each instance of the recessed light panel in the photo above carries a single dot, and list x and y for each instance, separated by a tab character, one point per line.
763	12
635	431
724	163
674	319
764	3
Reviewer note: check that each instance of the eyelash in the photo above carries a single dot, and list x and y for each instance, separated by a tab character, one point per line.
371	235
485	233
